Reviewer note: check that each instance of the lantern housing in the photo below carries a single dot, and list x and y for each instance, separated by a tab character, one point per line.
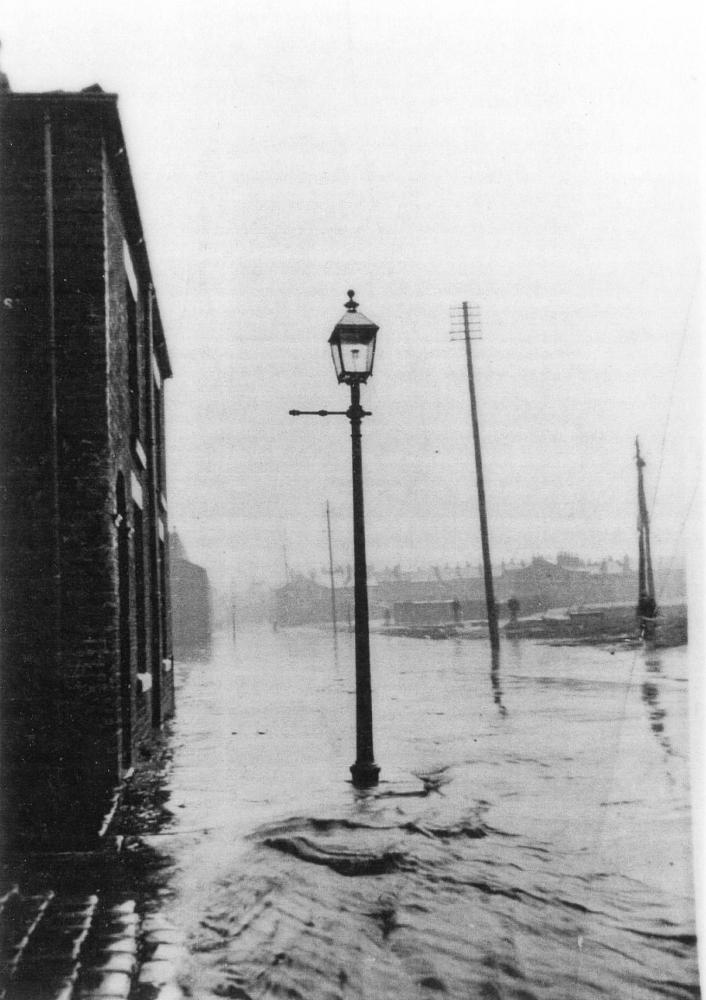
353	345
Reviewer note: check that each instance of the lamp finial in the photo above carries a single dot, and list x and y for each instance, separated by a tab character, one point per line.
351	305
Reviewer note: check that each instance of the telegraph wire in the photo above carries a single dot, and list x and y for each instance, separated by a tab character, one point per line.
677	365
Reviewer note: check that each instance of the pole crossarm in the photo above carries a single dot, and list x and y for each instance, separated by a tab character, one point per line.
317	413
351	413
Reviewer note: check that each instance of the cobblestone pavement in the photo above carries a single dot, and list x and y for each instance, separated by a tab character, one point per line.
88	937
88	926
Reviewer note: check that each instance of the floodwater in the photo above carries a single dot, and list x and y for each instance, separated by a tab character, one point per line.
529	838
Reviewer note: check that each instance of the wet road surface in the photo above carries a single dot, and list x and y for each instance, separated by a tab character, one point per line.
530	836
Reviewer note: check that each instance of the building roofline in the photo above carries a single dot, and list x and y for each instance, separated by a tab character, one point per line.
106	105
42	96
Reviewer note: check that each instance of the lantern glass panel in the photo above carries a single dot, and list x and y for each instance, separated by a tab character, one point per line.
337	363
353	354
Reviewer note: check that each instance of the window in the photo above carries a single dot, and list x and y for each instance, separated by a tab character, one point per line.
131	300
133	366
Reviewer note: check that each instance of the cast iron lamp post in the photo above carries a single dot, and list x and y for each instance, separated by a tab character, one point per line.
353	351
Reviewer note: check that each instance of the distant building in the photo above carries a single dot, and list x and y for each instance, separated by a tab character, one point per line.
569	560
84	596
410	595
542	584
191	605
301	601
252	605
438	612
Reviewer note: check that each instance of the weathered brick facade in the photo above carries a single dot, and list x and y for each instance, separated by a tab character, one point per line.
84	599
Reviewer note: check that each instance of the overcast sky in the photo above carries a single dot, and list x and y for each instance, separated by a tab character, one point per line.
539	159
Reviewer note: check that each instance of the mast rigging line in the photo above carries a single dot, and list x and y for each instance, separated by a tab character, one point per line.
666	576
685	329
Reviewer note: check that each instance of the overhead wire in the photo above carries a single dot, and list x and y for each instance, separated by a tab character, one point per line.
600	831
667	575
677	364
685	329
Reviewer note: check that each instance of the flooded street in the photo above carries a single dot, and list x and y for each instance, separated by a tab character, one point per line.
530	835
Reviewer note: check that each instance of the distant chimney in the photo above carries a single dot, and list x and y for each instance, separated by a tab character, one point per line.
5	87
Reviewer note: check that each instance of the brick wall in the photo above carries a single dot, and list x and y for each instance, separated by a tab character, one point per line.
87	552
28	516
73	711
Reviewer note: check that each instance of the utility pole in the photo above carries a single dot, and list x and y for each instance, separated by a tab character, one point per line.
330	564
471	318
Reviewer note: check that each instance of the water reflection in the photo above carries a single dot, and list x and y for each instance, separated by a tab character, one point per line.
651	697
495	681
515	647
336	660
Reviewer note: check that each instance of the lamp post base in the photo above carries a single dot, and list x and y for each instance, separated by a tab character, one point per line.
365	774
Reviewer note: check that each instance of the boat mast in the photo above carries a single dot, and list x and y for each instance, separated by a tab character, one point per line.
646	601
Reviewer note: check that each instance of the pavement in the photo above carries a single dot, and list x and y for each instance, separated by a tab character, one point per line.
81	934
87	925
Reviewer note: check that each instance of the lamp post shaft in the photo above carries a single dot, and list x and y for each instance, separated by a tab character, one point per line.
353	350
365	771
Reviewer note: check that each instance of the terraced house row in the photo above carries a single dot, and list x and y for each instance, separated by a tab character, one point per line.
85	634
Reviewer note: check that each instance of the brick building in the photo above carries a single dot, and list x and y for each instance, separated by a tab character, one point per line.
192	605
84	600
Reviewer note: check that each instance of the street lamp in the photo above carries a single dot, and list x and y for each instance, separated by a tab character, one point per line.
353	345
353	350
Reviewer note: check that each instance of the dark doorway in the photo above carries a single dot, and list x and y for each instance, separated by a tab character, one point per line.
139	550
160	589
124	623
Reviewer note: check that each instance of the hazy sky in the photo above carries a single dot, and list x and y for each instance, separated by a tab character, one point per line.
539	159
